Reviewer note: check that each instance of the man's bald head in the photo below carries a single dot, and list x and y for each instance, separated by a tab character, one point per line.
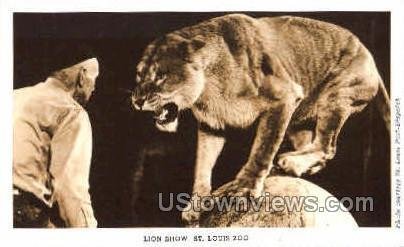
91	65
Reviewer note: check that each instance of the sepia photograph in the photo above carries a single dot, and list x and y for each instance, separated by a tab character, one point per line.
201	119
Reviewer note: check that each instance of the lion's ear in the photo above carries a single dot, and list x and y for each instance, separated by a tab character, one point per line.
189	47
197	44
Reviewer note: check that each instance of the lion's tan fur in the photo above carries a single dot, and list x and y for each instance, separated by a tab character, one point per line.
285	71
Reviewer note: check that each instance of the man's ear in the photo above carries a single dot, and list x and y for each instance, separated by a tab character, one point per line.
81	77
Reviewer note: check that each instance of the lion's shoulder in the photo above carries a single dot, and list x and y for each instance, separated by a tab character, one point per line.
305	27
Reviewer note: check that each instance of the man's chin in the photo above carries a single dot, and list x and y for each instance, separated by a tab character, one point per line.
168	127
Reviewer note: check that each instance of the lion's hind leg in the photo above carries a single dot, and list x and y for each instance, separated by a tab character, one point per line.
299	139
342	97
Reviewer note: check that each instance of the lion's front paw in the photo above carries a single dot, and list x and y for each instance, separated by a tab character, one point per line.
299	164
244	188
190	216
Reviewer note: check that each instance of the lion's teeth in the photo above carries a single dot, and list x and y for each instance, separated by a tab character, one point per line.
169	127
163	115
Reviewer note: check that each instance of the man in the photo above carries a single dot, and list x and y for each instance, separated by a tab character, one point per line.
52	148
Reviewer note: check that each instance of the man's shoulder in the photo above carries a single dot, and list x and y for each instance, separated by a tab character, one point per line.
44	95
48	105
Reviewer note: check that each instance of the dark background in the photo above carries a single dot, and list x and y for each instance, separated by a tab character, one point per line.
132	161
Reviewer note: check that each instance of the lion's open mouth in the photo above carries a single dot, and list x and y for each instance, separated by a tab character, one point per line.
167	114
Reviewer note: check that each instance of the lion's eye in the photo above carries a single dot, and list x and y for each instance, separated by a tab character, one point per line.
160	77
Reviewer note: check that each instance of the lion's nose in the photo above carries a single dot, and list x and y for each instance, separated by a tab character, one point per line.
139	103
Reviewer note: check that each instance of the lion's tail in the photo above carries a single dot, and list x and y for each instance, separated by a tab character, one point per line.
382	101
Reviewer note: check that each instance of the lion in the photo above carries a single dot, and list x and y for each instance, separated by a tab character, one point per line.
298	78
